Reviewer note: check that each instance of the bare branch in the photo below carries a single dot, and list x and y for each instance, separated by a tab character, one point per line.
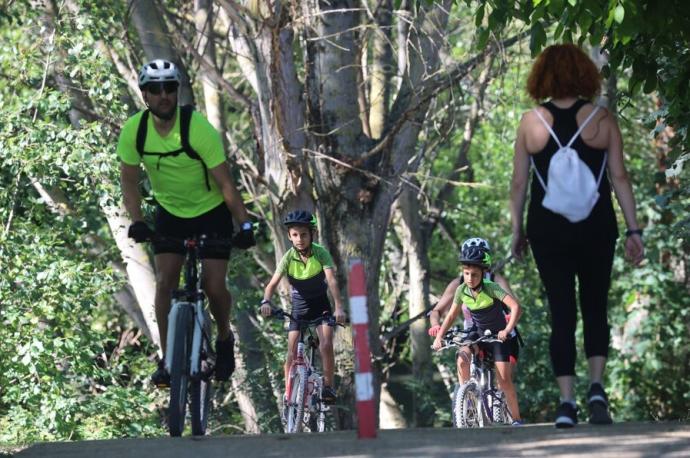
432	87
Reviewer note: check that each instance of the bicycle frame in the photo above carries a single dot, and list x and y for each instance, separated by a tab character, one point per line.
482	376
307	408
192	296
189	356
303	359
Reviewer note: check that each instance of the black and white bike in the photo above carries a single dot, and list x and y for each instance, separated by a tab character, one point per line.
477	402
190	359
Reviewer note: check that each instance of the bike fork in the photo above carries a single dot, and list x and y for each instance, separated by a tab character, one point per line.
197	337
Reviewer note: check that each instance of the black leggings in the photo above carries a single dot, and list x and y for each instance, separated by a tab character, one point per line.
559	262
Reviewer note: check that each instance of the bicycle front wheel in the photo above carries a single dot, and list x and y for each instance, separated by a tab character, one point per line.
468	406
200	395
295	411
179	370
317	417
500	412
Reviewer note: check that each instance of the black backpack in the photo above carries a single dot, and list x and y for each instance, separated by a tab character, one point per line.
185	120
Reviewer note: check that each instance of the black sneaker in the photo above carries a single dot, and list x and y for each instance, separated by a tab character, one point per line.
161	378
598	404
328	395
225	358
566	415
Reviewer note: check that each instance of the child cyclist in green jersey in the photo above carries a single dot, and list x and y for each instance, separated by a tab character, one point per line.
310	271
485	300
446	300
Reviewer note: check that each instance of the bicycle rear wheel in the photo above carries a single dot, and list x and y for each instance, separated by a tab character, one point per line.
179	370
295	411
468	406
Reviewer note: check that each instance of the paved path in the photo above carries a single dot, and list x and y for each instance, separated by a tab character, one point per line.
585	441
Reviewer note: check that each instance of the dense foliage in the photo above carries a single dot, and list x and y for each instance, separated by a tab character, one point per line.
74	366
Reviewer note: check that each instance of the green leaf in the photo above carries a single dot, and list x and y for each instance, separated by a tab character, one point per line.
619	14
649	84
479	16
483	37
537	38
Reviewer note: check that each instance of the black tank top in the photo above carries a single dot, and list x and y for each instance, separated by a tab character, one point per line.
542	222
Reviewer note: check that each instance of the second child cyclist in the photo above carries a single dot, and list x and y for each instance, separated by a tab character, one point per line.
485	300
310	271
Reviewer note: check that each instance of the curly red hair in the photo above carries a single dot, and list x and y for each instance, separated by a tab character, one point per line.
563	70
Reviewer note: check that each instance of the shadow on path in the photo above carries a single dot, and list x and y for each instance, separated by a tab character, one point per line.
618	440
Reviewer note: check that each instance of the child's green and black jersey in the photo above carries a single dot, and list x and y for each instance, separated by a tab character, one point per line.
487	308
308	280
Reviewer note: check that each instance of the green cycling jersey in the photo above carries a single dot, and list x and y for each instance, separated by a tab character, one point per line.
175	180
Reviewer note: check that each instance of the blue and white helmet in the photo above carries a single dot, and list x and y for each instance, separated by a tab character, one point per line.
476	241
158	70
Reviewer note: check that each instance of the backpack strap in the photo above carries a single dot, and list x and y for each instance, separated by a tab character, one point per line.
142	130
185	121
558	142
583	125
548	127
536	172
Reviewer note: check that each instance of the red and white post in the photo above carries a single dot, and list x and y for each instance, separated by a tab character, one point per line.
364	382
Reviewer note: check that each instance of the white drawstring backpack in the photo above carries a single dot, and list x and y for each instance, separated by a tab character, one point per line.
572	190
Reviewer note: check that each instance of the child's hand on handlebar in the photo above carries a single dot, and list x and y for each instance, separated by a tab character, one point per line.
266	308
502	335
433	331
339	315
437	343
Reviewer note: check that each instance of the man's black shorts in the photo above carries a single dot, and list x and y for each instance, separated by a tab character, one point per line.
215	224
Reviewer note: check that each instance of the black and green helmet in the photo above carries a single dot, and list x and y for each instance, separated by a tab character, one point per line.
300	218
476	256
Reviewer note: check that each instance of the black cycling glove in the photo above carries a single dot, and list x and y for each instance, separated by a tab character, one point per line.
140	232
244	239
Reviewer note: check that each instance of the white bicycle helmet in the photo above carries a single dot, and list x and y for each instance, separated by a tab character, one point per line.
158	70
476	241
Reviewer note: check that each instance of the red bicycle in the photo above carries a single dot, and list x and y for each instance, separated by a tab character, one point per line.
304	406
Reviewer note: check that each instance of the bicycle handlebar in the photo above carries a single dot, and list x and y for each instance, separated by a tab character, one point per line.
330	319
201	241
450	340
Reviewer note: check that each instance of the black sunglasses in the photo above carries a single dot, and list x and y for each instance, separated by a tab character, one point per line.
170	87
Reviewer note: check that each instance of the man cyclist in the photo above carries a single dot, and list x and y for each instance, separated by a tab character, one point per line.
187	202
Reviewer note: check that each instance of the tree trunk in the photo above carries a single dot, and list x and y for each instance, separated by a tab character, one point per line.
381	68
136	261
410	231
390	416
156	41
